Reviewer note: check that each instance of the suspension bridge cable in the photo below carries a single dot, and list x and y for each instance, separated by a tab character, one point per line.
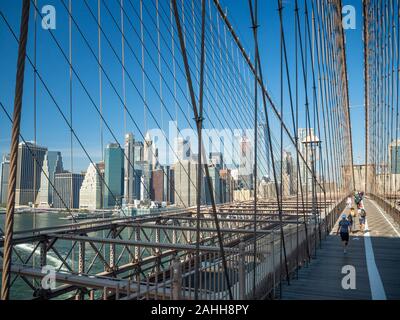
9	221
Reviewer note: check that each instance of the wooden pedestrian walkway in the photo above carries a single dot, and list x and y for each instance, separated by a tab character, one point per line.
375	256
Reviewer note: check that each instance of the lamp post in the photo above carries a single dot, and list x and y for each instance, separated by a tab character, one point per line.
313	142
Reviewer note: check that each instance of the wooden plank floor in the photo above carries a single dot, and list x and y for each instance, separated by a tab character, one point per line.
322	279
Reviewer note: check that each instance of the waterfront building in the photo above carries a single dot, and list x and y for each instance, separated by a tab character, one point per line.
28	172
52	164
113	175
4	174
91	193
68	186
129	169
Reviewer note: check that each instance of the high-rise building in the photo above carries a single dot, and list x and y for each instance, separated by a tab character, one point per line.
246	157
129	167
288	174
226	186
171	186
150	153
28	172
214	172
185	182
217	159
305	150
157	185
394	156
145	180
161	184
138	183
4	174
113	175
90	195
264	152
68	186
138	152
52	164
183	149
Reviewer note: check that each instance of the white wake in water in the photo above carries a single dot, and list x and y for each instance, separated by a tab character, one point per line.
51	260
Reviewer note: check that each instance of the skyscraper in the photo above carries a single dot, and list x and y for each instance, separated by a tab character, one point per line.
157	185
52	164
161	184
226	185
138	152
216	185
4	174
113	175
149	155
68	187
394	157
129	178
145	180
28	172
217	159
183	149
138	183
264	152
185	182
246	157
90	195
288	173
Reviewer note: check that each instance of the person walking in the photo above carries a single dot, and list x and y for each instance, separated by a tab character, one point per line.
350	219
356	198
354	216
344	230
362	218
349	202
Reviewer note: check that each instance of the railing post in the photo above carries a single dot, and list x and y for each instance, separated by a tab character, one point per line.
176	279
112	249
242	271
273	262
137	248
81	258
43	253
81	265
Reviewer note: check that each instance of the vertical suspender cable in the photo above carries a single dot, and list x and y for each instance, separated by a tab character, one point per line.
199	121
34	118
280	9
255	31
71	200
19	86
366	88
123	62
159	63
100	81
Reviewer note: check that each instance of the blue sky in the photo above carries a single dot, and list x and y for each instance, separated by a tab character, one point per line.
52	130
